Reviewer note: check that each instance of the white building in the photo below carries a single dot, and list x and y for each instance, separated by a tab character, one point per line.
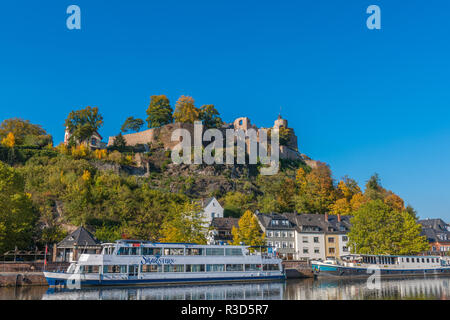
211	209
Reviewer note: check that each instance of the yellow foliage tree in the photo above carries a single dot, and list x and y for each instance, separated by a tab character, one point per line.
9	141
80	151
100	154
395	202
86	176
185	110
248	232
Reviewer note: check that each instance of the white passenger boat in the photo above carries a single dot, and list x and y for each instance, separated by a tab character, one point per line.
134	262
386	265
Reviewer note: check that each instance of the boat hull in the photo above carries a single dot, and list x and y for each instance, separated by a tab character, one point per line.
74	281
321	270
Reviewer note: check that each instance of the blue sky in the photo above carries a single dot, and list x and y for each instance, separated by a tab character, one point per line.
362	100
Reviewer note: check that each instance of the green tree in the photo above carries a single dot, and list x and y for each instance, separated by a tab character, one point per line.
119	141
82	124
185	223
20	129
186	111
17	216
249	231
235	203
159	111
132	124
210	116
379	229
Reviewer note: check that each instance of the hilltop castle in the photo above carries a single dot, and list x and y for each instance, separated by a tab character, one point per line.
162	135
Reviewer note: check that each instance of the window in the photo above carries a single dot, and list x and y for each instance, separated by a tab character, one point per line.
278	234
407	259
151	251
305	250
233	252
151	268
134	251
291	245
412	259
123	251
215	251
330	240
345	249
274	222
89	269
344	238
252	267
305	239
270	234
331	250
235	267
277	244
194	251
291	234
316	250
270	267
111	269
174	268
285	244
270	243
284	234
316	239
195	268
215	267
423	260
173	251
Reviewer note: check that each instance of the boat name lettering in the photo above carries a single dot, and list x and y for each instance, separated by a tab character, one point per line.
157	260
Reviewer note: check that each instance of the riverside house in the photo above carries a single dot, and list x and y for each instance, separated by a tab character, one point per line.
438	235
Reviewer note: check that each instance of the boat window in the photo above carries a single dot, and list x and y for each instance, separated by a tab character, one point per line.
423	260
151	251
235	267
432	260
412	259
233	251
270	267
134	251
89	269
215	267
123	269
195	268
215	251
252	267
194	251
151	268
111	269
123	251
174	268
428	260
173	251
407	259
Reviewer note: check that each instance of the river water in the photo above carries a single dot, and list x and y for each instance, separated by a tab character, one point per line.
301	289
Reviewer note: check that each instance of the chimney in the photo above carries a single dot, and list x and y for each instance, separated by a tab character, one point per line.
326	216
339	217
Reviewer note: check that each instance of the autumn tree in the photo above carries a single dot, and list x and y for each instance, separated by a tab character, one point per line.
210	116
185	223
20	129
159	111
17	216
379	229
9	141
235	203
349	195
186	111
132	124
316	190
249	231
82	124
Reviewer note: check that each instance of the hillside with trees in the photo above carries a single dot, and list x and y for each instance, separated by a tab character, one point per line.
45	189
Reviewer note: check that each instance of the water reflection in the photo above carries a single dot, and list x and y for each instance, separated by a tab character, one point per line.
305	289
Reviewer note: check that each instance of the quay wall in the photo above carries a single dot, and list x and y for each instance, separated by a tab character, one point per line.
297	269
17	279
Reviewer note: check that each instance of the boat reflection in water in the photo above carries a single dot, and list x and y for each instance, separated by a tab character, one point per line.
248	291
345	289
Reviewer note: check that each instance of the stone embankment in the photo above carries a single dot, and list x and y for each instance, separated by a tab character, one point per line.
26	274
297	269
